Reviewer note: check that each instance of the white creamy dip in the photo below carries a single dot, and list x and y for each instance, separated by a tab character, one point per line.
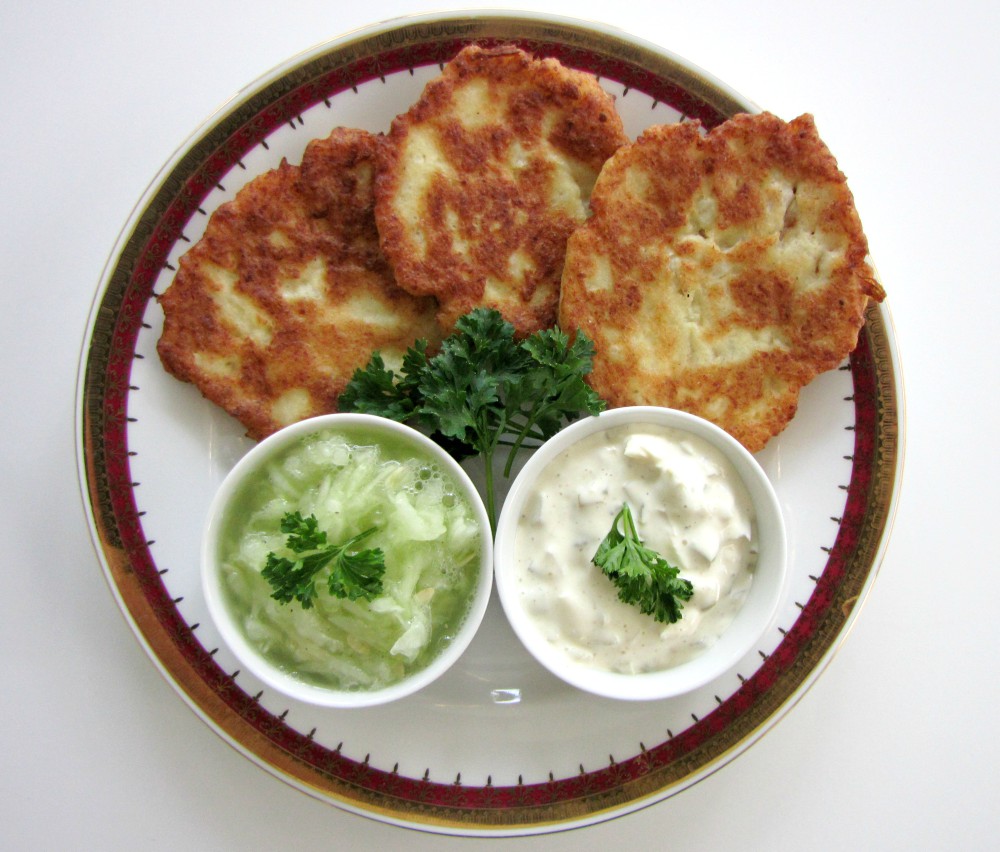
689	505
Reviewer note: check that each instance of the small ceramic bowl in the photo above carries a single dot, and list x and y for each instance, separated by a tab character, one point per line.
529	606
229	502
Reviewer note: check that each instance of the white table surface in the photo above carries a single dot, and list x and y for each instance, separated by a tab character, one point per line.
895	747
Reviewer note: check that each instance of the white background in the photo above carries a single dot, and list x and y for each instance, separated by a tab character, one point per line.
895	747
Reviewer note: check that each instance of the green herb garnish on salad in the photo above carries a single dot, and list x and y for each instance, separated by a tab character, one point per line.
353	573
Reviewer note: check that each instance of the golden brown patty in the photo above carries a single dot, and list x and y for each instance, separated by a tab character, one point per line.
481	182
288	293
719	273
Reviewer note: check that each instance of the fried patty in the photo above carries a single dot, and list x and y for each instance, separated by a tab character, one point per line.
287	292
481	182
719	272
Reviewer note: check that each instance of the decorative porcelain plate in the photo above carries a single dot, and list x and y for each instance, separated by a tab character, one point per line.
498	746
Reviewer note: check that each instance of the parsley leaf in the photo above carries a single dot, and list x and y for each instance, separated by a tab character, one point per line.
483	389
643	577
372	390
352	574
551	389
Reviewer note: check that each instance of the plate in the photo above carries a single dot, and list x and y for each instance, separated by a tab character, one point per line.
498	746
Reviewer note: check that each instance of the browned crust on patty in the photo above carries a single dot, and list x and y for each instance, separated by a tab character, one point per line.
481	182
720	273
287	292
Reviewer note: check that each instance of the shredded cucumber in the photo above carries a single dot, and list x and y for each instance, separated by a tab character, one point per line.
424	525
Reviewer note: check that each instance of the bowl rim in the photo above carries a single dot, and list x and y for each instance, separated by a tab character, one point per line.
747	628
243	650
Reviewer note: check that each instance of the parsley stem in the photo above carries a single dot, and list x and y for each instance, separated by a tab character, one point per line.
630	531
528	430
491	508
514	448
525	427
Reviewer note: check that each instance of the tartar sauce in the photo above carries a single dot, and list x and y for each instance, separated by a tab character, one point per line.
689	504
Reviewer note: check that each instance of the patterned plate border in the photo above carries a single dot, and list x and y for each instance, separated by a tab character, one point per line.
102	434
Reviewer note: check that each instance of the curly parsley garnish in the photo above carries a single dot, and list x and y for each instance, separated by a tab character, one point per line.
643	577
483	389
352	574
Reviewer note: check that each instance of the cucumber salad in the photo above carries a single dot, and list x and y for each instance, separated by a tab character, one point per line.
409	512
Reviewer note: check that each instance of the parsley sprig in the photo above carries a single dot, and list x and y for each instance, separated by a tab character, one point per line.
353	573
483	389
643	577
